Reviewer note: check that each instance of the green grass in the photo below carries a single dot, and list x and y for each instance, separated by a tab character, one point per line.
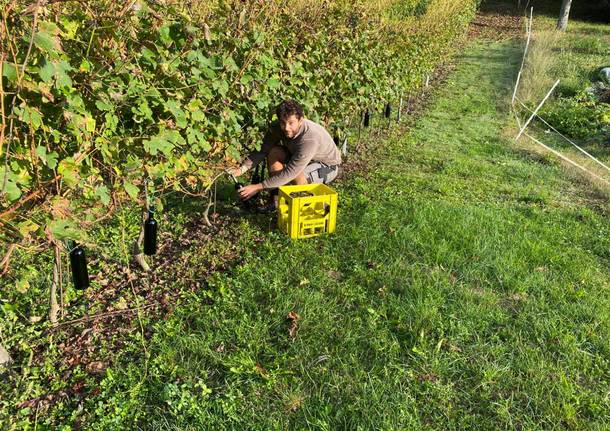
466	288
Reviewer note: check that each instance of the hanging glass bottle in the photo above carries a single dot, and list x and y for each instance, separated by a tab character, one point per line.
78	262
150	233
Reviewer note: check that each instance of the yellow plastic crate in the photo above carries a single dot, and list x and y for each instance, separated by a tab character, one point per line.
306	211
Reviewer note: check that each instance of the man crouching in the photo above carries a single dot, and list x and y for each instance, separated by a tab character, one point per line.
297	150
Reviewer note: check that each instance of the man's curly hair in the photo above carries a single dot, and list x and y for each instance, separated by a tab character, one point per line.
288	108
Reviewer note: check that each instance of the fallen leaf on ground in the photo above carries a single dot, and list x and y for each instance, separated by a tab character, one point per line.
261	370
96	367
294	318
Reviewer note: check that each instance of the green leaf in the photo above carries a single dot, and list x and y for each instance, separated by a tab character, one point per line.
9	71
65	229
149	56
45	42
47	72
52	159
47	38
221	86
142	111
70	28
131	190
61	75
103	106
174	107
102	194
158	143
22	285
29	116
85	66
208	72
246	79
197	139
164	35
230	64
26	227
273	83
262	103
198	116
90	124
12	191
41	152
69	171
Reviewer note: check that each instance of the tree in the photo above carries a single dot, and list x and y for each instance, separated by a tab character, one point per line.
562	23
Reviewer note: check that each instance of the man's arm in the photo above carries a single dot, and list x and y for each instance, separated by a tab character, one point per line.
272	137
294	167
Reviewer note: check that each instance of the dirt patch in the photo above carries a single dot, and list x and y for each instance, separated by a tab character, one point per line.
497	23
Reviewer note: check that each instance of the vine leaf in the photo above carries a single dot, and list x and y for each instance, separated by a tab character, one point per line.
47	38
131	190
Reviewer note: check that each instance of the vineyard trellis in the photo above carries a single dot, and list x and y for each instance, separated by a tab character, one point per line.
533	114
104	103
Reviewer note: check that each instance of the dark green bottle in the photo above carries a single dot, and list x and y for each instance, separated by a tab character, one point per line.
78	262
238	186
150	234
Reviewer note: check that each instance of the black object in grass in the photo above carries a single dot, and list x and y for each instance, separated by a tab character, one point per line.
78	262
367	118
388	110
150	234
337	141
248	202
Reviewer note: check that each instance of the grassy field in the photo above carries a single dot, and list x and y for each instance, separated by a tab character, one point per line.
467	287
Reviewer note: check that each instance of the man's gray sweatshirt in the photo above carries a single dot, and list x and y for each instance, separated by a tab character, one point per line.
312	143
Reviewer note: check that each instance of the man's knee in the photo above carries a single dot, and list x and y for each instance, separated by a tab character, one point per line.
276	159
276	167
300	180
277	154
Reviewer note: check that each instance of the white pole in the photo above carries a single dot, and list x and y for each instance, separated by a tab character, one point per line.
527	44
529	120
399	111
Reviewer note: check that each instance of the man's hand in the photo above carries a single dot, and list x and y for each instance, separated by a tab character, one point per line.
236	172
248	191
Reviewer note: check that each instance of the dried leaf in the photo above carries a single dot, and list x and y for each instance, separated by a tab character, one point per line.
260	370
335	275
294	318
294	403
429	377
96	367
206	33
